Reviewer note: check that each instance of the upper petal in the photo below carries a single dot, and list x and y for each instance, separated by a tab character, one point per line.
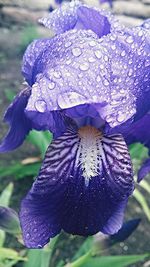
76	15
20	125
112	73
82	187
31	54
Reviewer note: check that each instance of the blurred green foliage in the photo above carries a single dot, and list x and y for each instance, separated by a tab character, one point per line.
27	36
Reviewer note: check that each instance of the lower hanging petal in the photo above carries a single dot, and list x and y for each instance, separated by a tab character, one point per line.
82	187
20	125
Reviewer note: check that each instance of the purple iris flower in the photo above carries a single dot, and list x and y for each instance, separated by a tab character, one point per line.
90	86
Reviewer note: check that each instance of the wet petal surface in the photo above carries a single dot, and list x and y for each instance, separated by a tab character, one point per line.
113	73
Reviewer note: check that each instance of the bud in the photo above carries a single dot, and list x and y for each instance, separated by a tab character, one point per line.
9	221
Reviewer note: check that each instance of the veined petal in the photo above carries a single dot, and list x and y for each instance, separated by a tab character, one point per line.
111	73
76	15
82	187
20	125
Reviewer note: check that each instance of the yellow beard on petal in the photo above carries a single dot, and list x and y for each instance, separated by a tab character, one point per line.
89	151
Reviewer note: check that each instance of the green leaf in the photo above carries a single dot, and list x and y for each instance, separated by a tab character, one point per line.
4	201
145	185
19	170
138	151
10	94
84	248
6	195
9	263
40	139
7	253
116	261
34	257
2	238
142	201
41	257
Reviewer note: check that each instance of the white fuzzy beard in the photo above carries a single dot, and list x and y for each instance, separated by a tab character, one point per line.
89	152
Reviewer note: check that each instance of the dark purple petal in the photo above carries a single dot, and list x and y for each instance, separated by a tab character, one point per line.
144	170
112	73
76	15
90	19
138	131
20	125
82	187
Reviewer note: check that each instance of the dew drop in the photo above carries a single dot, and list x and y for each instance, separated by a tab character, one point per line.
121	117
40	105
51	85
57	75
84	66
106	83
106	58
92	43
91	59
98	79
147	63
68	44
68	62
123	53
98	54
27	235
76	52
129	40
130	72
70	99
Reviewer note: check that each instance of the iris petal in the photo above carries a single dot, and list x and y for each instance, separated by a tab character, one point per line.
76	15
112	73
20	125
29	59
78	191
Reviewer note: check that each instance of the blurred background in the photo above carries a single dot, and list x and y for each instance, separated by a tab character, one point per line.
18	27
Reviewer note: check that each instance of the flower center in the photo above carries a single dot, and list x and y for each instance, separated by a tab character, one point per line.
89	152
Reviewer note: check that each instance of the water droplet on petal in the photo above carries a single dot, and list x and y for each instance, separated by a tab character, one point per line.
68	44
123	53
76	52
98	54
98	79
147	63
57	74
70	99
40	105
92	43
121	117
106	58
106	82
27	235
68	62
91	59
84	66
129	40
51	85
